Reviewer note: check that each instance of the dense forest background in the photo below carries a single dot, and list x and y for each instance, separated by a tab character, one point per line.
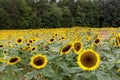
24	14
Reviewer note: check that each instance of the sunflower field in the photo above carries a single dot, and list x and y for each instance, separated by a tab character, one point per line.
60	54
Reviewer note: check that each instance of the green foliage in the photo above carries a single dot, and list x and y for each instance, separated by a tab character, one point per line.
20	14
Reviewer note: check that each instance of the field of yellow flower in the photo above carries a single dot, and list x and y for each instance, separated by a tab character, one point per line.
60	54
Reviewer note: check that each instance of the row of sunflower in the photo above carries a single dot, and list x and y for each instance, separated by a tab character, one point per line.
60	54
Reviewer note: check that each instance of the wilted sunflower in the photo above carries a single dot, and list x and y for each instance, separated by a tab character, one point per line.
19	40
13	60
88	60
66	49
118	40
97	41
78	47
39	61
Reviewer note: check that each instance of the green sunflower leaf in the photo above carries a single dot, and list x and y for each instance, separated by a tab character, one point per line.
105	76
30	75
2	67
8	76
110	65
114	76
87	74
48	72
51	57
74	70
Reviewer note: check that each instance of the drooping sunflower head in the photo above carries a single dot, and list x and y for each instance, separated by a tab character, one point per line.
66	49
118	40
19	40
78	47
13	60
38	61
88	60
97	41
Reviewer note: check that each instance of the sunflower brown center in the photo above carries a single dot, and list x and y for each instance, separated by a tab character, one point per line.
51	40
1	45
19	40
63	38
28	44
77	46
13	60
97	40
39	61
55	34
33	49
30	41
66	48
88	59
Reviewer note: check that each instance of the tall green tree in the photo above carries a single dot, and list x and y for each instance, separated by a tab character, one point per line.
18	11
53	16
67	18
110	13
5	20
87	13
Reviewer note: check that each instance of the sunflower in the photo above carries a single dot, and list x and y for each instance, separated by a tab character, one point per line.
88	60
38	61
66	49
33	49
78	47
118	40
19	40
97	41
30	41
118	70
88	38
63	38
28	44
1	45
28	48
13	60
51	40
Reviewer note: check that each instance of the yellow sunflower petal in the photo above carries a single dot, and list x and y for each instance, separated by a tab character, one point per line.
13	60
66	49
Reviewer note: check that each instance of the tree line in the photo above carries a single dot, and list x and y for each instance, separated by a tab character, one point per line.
24	14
